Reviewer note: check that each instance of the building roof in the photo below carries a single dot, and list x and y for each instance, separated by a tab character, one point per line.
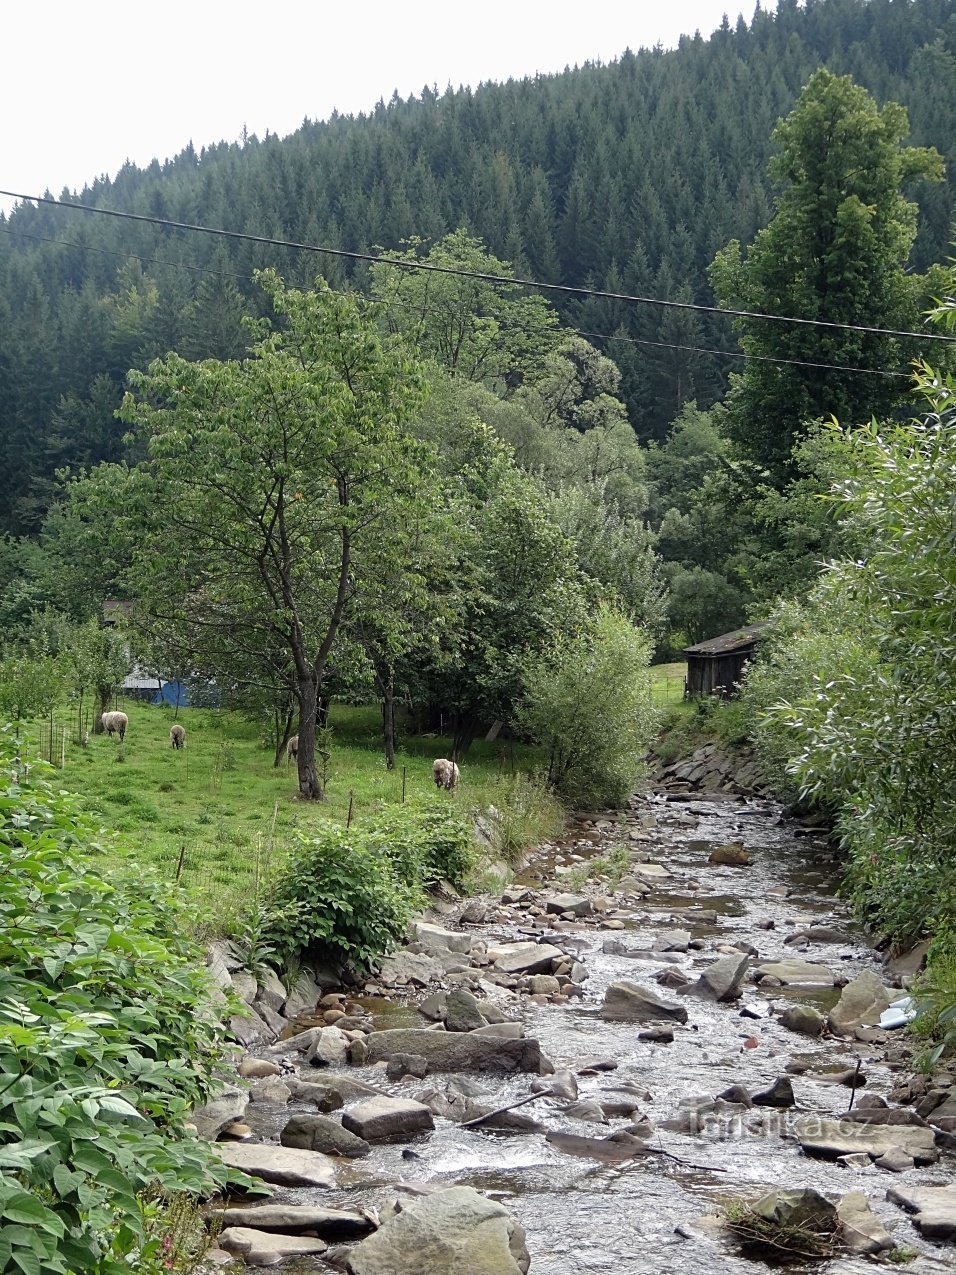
743	639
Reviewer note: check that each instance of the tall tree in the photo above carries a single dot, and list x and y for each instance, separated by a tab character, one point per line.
835	252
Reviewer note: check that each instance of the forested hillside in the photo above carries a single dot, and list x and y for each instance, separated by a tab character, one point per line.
626	178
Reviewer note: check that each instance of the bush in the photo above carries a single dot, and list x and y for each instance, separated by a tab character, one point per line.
590	704
108	1035
426	842
520	812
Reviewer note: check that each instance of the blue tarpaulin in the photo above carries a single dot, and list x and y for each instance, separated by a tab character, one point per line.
176	694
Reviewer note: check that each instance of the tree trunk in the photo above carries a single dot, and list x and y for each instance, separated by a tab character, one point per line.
388	721
310	789
103	696
282	740
466	728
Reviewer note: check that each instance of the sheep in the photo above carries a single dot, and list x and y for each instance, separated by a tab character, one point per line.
292	749
445	773
177	736
115	722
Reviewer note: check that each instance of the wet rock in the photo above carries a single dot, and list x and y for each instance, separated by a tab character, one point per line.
562	1085
591	1066
659	1035
612	1150
406	1065
861	1002
264	1248
629	1002
737	1094
672	978
331	1096
578	904
226	1107
524	958
303	994
804	1208
722	980
780	1094
462	1013
803	1019
589	1109
387	1119
832	1138
794	973
271	1090
452	1230
934	1206
944	1116
828	934
732	854
894	1160
327	1224
321	1133
455	1051
257	1068
330	1048
433	938
285	1166
860	1230
672	941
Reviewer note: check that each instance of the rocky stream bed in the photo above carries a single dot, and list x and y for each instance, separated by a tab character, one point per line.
697	1036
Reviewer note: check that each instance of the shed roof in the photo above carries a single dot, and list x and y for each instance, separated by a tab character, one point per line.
737	640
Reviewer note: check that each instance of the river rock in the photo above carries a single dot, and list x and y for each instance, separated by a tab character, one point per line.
270	1090
650	872
543	985
612	1150
407	966
803	1208
733	855
860	1230
803	1019
434	939
944	1116
455	1051
795	973
331	1096
657	1035
330	1048
400	1065
934	1206
524	958
672	941
251	1029
561	1085
225	1108
266	1248
320	1133
722	980
462	1011
387	1119
862	1001
285	1166
303	994
257	1068
894	1160
294	1219
452	1230
832	1138
780	1094
579	904
629	1002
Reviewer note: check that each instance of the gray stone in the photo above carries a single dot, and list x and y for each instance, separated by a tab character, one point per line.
944	1116
732	855
244	985
658	1035
406	1065
802	1208
328	1224
249	1029
411	967
270	1090
435	1006
722	980
463	1012
434	939
860	1230
257	1068
266	1248
832	1138
780	1094
795	973
387	1119
562	1085
588	1109
271	990
455	1230
455	1051
321	1133
579	904
524	958
285	1166
303	995
894	1161
629	1002
330	1048
861	1003
613	1150
934	1206
803	1019
672	941
651	872
504	1031
543	985
226	1107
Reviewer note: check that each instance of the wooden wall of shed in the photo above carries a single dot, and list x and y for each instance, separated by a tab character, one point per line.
715	674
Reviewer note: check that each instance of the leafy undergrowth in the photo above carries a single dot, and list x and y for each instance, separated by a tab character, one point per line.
108	1035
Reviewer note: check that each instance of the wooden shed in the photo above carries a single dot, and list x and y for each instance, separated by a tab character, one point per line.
716	666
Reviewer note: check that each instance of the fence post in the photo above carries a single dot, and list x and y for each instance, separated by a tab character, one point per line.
403	785
348	822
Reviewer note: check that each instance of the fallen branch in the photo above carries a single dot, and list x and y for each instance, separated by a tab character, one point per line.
510	1106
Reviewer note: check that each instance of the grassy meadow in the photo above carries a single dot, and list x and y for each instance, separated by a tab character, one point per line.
218	816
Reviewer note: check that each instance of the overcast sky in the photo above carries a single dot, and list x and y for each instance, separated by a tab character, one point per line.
87	86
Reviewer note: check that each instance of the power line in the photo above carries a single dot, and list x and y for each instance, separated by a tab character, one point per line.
403	264
594	336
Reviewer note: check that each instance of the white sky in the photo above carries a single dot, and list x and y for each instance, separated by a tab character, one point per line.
87	86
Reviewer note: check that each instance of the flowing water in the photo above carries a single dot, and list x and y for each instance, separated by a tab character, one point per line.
644	1215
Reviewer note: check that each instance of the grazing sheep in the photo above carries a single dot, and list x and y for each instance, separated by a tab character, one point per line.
292	749
445	773
115	722
177	736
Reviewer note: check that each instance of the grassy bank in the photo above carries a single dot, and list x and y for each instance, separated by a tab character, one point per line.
219	817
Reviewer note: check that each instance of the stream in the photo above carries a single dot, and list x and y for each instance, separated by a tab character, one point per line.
650	1213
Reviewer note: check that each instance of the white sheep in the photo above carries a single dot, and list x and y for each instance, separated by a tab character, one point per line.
115	722
292	749
445	773
177	736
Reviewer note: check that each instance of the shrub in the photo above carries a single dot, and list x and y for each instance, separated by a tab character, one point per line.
108	1034
520	812
590	704
426	842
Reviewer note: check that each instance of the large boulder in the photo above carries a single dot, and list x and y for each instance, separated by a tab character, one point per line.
457	1230
455	1051
524	958
295	1219
832	1138
226	1107
860	1230
795	973
387	1119
462	1011
934	1206
861	1003
722	980
283	1165
267	1248
434	939
321	1133
803	1019
630	1002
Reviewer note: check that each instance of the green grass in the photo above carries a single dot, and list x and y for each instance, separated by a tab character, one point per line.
667	683
218	814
